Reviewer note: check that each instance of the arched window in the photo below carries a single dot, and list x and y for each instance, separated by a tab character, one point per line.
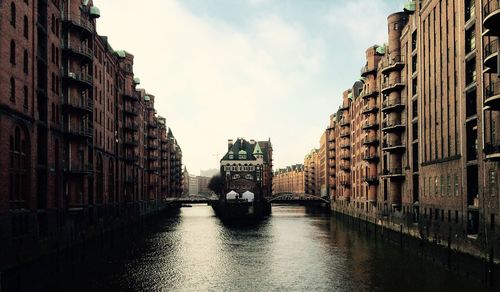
12	52
25	61
12	89
26	29
13	14
25	93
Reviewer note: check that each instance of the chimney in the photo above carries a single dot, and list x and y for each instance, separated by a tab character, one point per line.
229	144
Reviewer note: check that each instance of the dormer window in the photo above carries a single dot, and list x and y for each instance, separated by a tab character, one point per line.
242	155
231	155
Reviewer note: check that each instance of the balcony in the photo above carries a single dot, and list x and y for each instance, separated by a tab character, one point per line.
131	96
369	109
370	141
78	103
130	110
392	106
394	63
370	126
367	70
392	85
345	183
344	122
345	156
370	179
492	95
79	51
79	78
369	94
343	107
77	131
491	16
492	151
345	168
131	127
393	147
393	173
79	169
491	57
393	126
78	22
131	158
152	146
131	142
344	133
345	145
370	157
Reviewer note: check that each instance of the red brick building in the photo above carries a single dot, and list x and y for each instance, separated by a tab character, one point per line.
415	143
82	145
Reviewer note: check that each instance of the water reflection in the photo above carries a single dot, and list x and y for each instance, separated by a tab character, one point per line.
293	250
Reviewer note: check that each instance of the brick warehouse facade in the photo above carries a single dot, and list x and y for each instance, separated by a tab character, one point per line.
289	180
415	144
83	146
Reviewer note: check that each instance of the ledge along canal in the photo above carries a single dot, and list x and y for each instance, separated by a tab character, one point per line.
295	249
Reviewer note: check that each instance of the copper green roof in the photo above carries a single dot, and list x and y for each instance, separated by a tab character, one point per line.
257	150
95	12
380	50
121	53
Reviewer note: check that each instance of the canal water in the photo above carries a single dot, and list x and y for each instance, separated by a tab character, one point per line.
293	250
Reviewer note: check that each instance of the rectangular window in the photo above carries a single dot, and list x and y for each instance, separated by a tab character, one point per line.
448	185
493	182
456	185
436	185
456	216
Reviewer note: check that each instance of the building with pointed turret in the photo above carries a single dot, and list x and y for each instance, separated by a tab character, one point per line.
247	166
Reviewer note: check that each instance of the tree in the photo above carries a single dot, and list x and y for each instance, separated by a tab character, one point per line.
217	184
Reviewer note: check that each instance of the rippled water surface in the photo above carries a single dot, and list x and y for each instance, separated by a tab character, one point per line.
293	250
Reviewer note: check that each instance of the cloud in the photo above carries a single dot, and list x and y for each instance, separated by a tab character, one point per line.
214	81
360	23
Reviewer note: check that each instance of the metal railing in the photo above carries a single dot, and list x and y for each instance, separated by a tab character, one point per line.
393	171
78	21
86	51
490	7
492	148
492	89
77	130
491	48
77	101
83	77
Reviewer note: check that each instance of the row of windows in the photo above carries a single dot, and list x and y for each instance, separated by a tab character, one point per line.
441	185
238	168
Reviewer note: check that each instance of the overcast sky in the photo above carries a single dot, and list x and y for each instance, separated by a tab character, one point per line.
258	69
